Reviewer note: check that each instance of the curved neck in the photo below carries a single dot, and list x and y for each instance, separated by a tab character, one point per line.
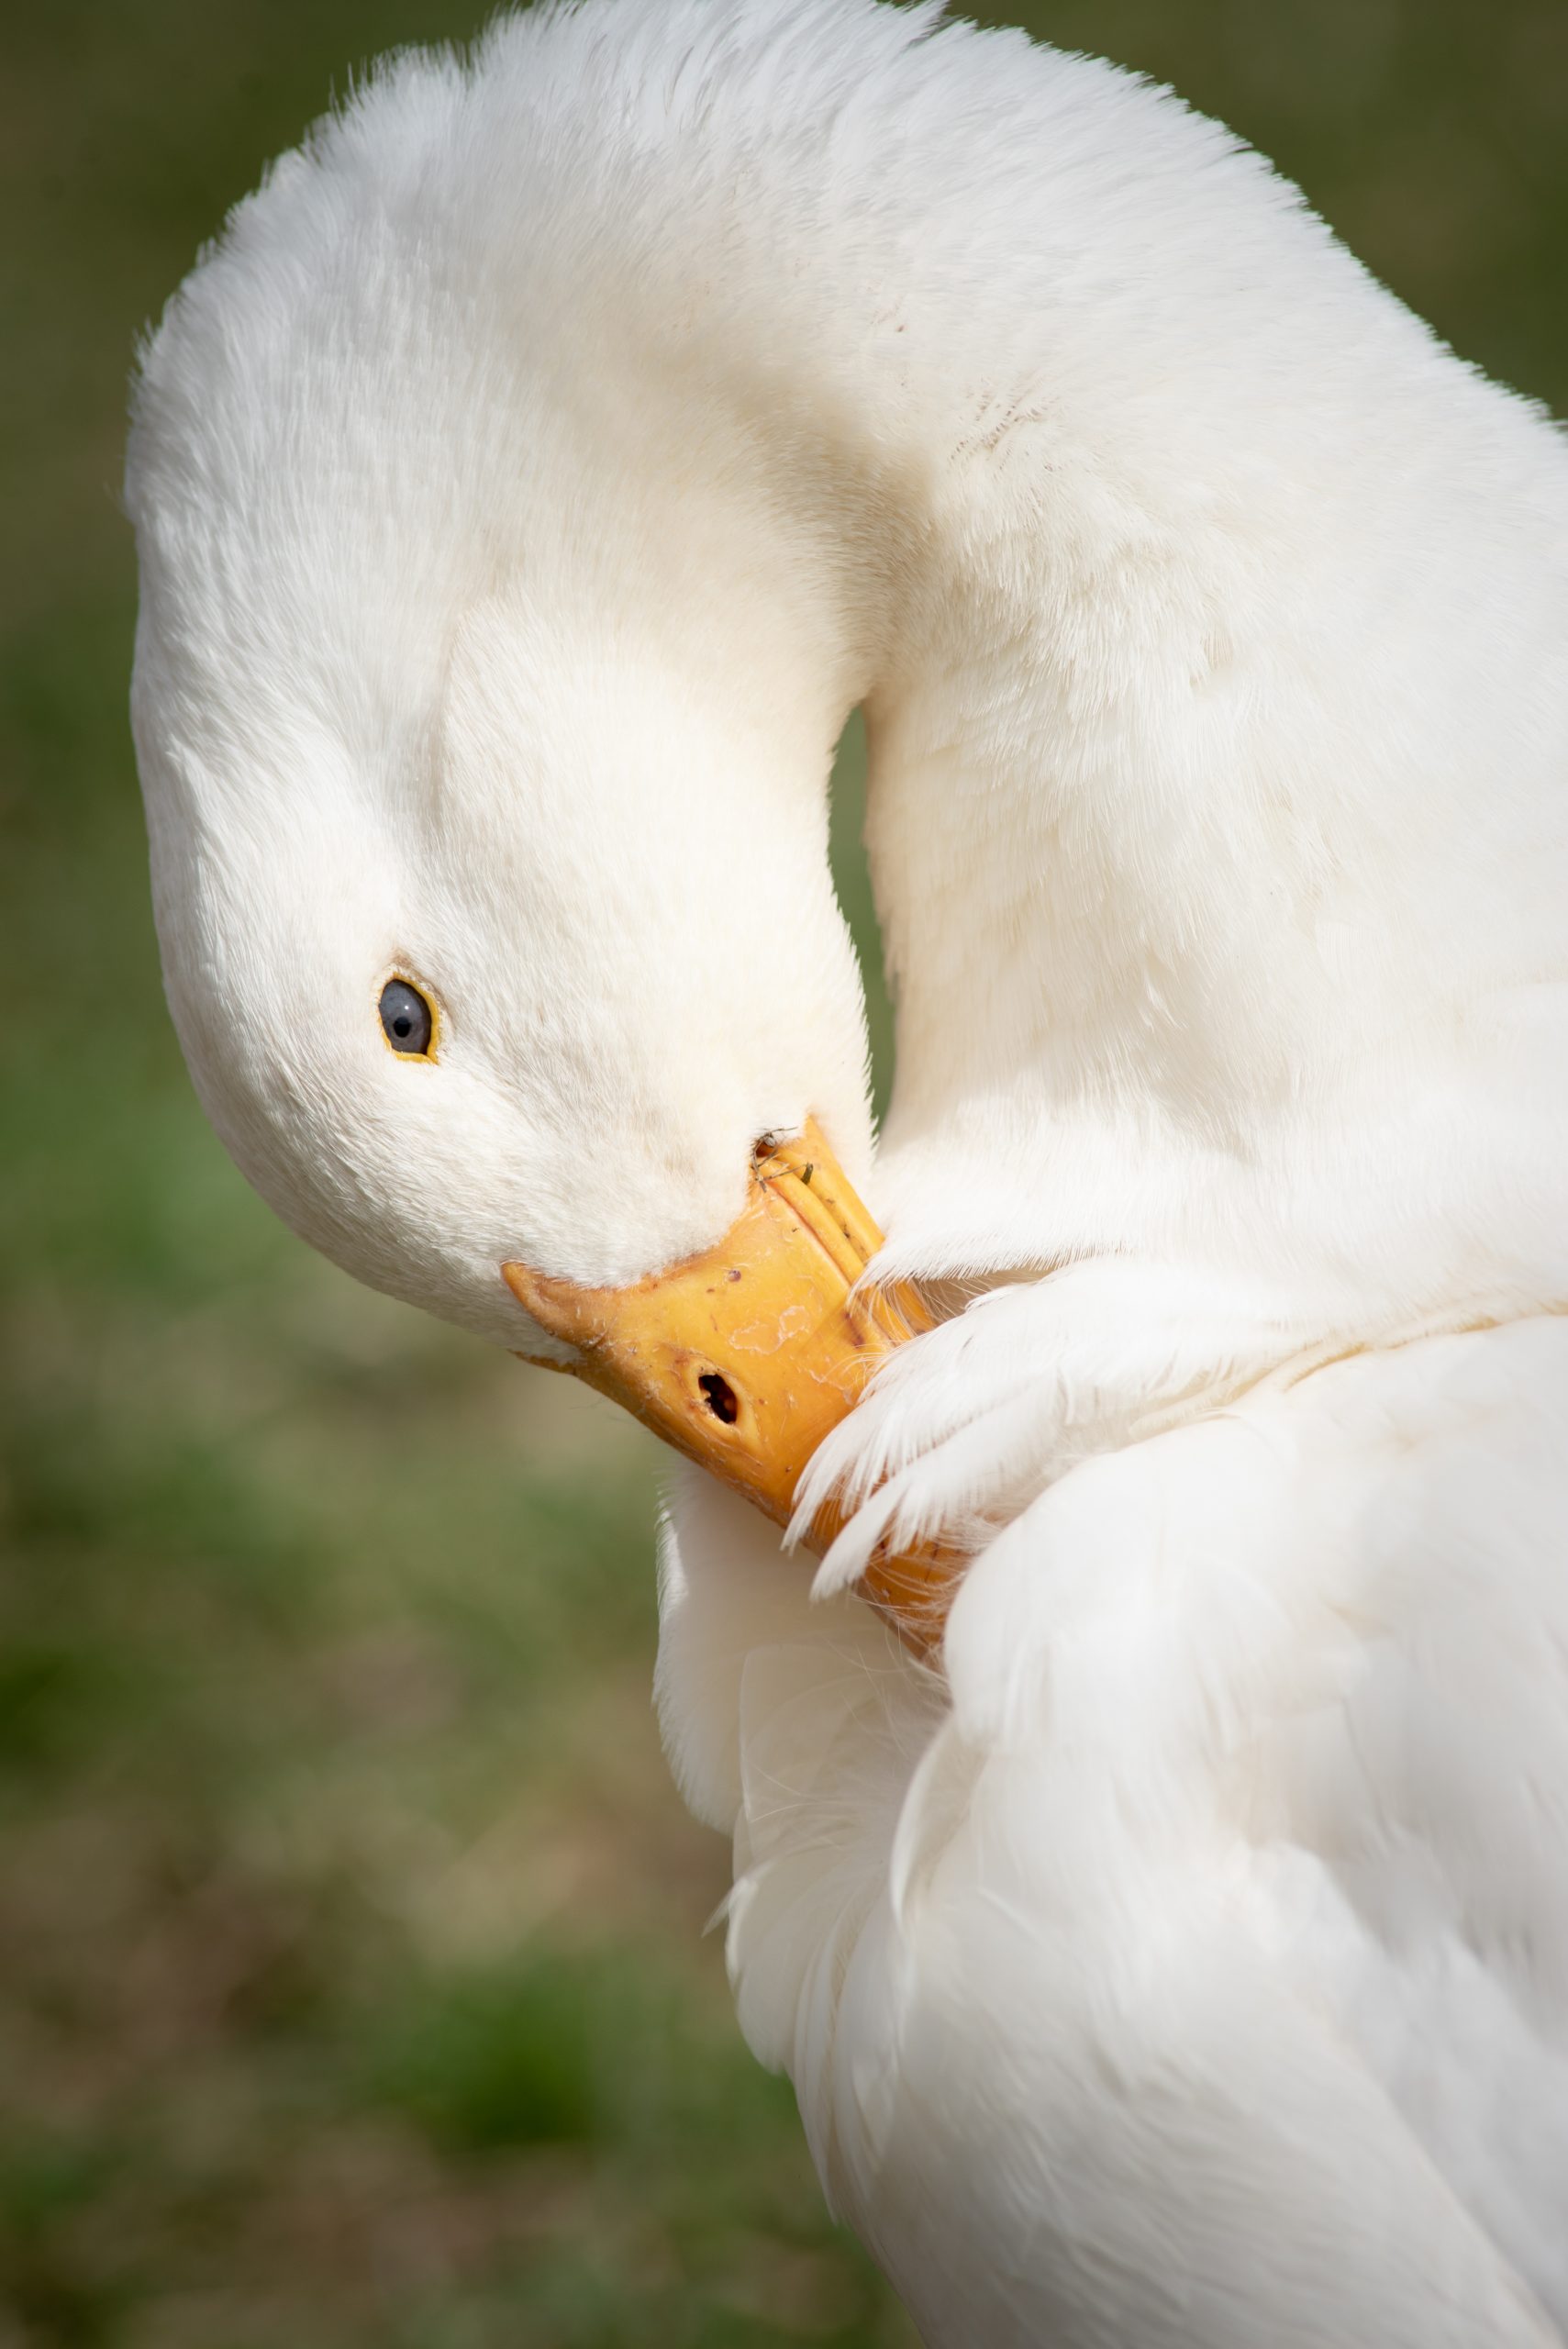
1148	529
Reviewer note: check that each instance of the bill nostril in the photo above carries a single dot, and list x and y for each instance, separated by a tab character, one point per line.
719	1397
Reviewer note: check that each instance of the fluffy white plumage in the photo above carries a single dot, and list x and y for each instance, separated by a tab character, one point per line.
526	487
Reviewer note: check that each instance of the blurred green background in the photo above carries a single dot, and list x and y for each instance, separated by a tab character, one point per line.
353	1983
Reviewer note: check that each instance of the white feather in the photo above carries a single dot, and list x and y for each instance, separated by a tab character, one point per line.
528	484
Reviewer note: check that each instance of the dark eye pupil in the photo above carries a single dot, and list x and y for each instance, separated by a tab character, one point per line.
405	1018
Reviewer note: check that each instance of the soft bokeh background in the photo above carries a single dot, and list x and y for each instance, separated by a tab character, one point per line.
353	1983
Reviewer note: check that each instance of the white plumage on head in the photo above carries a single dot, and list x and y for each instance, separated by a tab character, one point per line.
543	464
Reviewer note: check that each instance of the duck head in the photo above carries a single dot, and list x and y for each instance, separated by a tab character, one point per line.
488	819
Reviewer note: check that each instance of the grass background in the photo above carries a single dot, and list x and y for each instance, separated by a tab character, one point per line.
353	1987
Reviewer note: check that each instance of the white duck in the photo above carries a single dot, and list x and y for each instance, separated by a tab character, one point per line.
538	470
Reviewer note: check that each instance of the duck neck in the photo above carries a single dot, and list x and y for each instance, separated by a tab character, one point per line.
1145	527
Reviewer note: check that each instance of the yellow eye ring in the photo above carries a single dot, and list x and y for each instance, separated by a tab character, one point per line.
409	1022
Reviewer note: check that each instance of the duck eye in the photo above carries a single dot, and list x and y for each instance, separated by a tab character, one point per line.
405	1018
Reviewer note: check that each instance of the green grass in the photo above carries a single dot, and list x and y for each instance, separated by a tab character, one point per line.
353	1987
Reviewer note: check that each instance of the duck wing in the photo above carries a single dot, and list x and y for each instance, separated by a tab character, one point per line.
1192	1968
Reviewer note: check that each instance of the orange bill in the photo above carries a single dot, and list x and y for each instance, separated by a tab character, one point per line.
745	1357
